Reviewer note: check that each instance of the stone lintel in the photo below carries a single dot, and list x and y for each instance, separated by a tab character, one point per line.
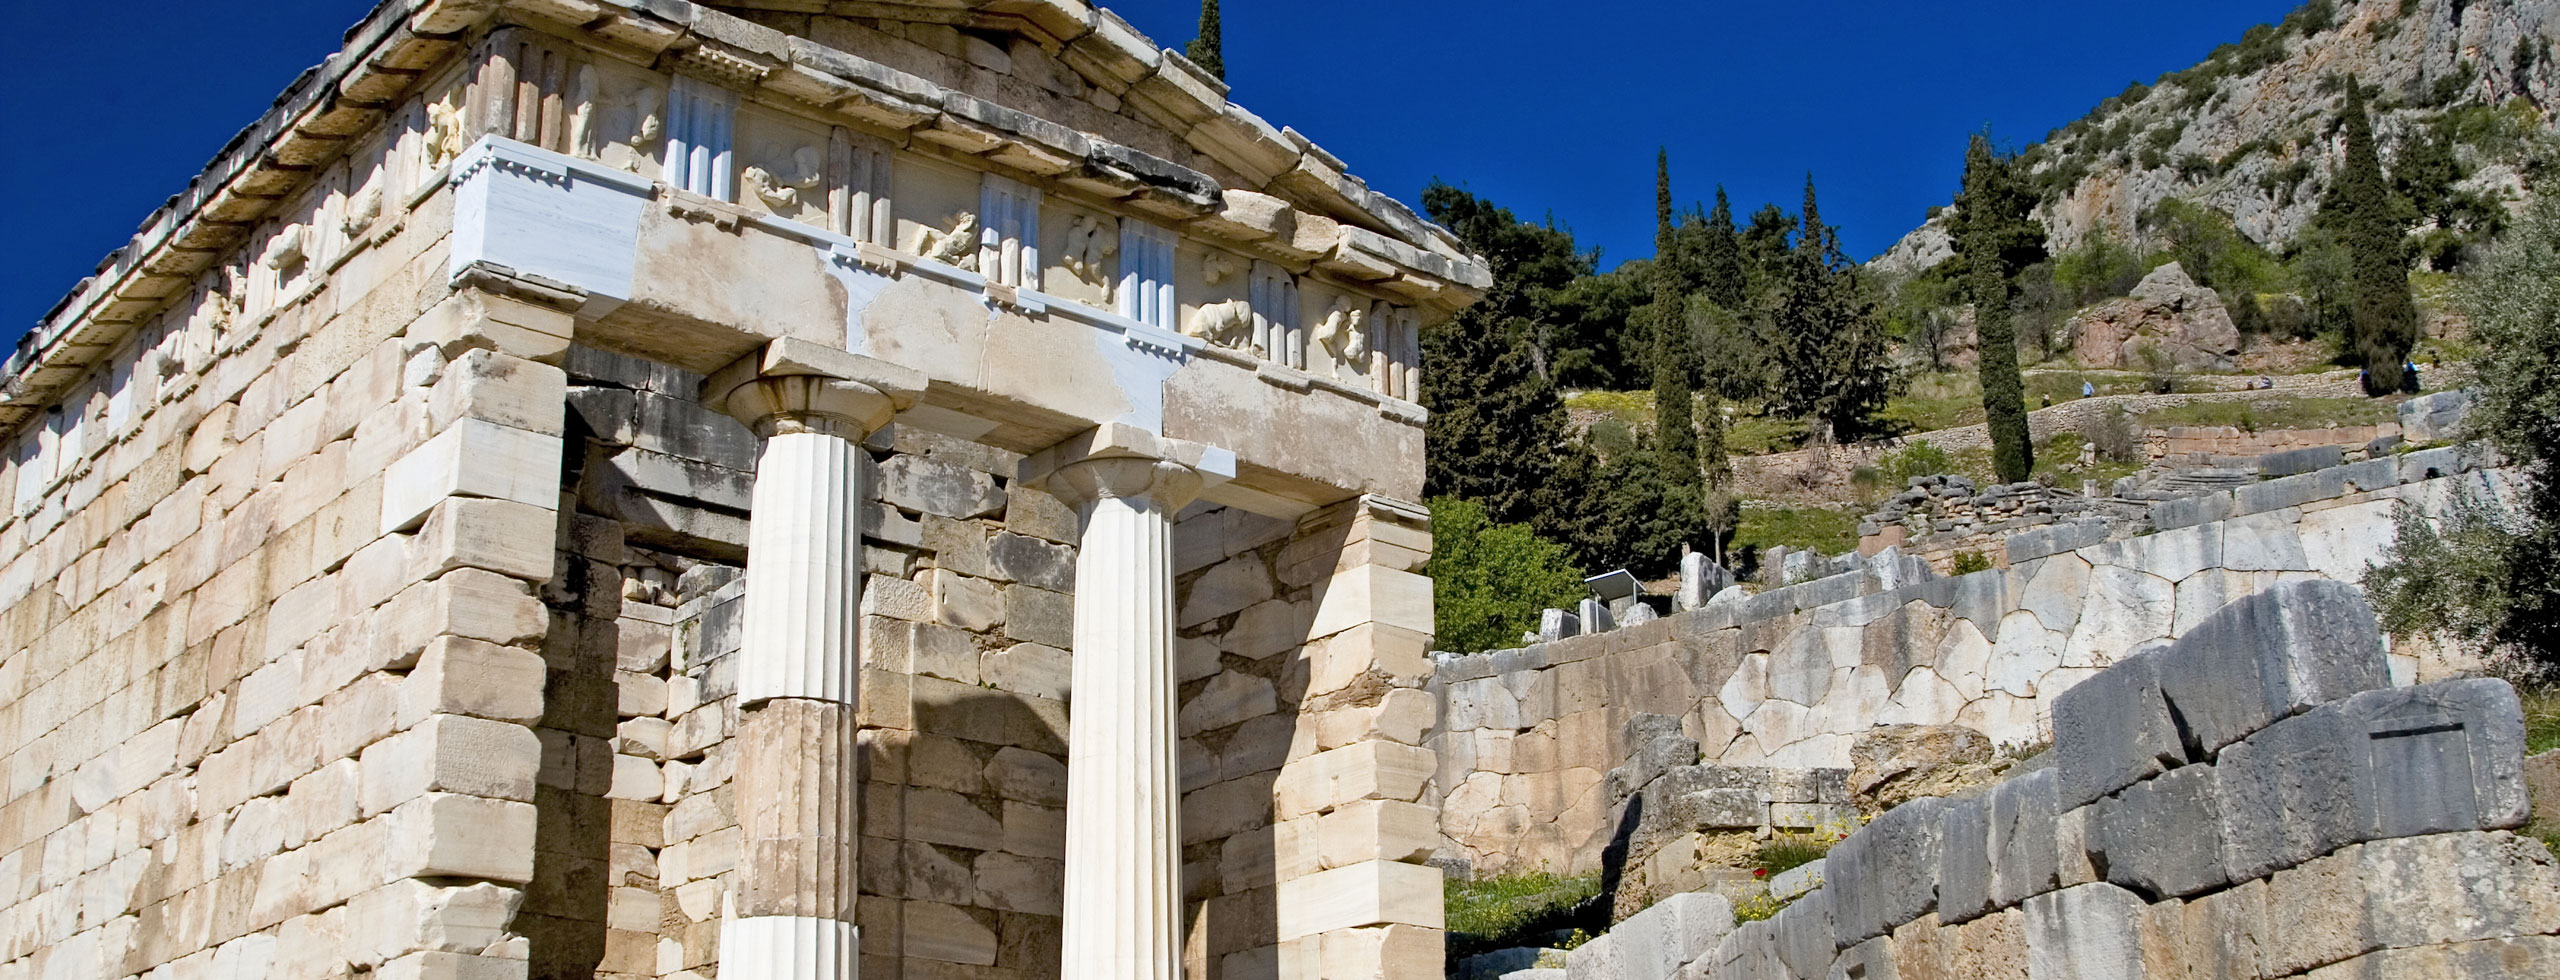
864	390
1120	440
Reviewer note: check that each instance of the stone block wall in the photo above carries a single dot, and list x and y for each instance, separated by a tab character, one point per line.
2207	441
1787	677
269	618
2313	823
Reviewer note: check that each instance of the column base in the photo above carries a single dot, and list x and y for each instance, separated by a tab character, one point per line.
789	947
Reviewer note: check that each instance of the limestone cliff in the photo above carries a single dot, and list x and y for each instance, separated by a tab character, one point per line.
2251	131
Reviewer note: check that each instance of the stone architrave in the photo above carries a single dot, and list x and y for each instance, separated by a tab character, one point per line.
792	915
1123	902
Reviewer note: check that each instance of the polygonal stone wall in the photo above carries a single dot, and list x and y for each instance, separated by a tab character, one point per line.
1789	677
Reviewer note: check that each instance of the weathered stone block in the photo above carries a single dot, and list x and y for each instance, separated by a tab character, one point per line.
2087	932
451	754
2183	512
1964	861
2111	730
1728	809
1033	561
461	676
2269	656
2021	838
935	487
1370	893
1886	874
2289	794
2440	757
2445	888
1807	938
474	458
1597	959
443	835
2162	836
2291	462
1655	943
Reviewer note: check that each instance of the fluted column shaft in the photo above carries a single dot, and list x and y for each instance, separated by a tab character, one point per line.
1124	860
791	914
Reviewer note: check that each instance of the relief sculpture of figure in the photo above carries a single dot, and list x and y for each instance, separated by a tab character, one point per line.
1089	241
1216	267
1345	334
584	140
444	133
779	185
1227	324
958	246
363	210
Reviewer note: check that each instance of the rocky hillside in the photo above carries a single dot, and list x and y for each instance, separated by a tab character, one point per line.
2251	131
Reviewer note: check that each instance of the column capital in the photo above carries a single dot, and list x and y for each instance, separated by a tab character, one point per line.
792	385
1117	460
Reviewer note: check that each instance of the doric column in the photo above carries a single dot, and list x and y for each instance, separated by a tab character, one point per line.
1123	872
790	915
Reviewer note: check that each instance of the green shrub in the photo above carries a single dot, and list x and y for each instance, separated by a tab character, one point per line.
1758	436
1969	562
2541	720
1516	909
1786	852
2268	414
1612	438
1490	581
1915	460
2111	431
1825	529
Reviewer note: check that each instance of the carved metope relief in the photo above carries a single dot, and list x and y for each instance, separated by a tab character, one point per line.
1344	334
785	180
443	136
1227	324
1091	242
956	245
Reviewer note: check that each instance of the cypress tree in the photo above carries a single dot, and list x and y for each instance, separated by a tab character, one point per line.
1676	433
2384	323
1997	236
1209	49
1720	258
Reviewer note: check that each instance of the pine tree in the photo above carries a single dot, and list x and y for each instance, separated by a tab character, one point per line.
1720	272
2384	324
1997	235
1209	49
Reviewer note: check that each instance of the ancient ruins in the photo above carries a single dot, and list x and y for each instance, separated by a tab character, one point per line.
626	488
609	489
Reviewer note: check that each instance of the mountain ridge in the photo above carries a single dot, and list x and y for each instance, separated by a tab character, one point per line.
2249	132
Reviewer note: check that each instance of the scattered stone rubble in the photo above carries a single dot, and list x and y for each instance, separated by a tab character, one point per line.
2250	801
1942	516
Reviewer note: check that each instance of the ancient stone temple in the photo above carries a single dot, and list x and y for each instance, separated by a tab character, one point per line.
627	487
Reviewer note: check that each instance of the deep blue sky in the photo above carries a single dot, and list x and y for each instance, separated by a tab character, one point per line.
1545	107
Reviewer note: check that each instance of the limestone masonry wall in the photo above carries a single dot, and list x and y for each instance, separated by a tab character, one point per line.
2252	801
1786	678
268	660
